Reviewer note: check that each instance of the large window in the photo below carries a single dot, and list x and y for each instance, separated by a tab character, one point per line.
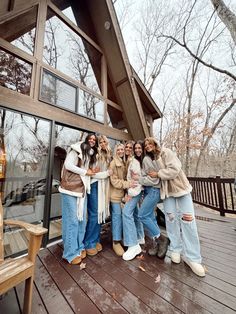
91	106
57	92
24	142
69	53
15	73
20	30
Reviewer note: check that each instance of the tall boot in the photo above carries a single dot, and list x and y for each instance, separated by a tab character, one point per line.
155	246
163	243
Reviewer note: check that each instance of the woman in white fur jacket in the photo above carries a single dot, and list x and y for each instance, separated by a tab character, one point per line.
179	211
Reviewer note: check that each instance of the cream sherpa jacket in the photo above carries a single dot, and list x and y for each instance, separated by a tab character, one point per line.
173	180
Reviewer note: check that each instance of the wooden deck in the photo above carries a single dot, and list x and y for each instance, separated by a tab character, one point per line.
110	285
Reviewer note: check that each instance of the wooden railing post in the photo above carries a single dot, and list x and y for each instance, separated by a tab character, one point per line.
220	195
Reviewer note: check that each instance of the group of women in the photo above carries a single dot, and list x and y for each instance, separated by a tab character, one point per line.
130	182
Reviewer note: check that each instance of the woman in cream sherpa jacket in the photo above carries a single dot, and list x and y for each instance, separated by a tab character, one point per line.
179	212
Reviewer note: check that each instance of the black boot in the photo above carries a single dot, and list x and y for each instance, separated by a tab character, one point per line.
155	246
163	243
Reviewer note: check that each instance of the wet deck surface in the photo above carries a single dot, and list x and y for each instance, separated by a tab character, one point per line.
110	285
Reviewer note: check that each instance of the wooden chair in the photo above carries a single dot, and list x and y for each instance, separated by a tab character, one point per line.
15	270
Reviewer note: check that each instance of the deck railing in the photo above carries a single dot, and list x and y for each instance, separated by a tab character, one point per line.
216	193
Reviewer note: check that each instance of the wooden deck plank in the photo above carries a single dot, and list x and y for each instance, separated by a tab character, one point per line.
110	285
76	298
182	279
8	303
104	301
52	297
37	302
162	289
154	301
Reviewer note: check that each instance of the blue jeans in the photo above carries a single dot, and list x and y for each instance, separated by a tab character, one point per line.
73	230
132	226
146	211
116	221
183	234
93	228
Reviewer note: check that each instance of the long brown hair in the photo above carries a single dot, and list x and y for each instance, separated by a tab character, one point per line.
140	158
95	148
157	150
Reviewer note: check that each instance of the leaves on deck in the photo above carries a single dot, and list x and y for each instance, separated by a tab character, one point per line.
82	266
158	279
140	257
142	268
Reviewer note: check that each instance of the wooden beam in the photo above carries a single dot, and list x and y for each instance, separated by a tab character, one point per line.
19	25
13	100
74	27
16	51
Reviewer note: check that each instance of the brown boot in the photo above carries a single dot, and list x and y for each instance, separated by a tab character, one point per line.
118	249
83	254
91	252
163	243
76	260
99	247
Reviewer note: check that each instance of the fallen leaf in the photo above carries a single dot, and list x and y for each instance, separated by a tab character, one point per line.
82	266
114	296
158	279
142	269
141	257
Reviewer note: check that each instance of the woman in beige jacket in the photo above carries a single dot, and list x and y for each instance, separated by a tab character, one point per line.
179	211
117	191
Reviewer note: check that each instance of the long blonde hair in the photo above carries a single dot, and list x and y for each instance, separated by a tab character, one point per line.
104	155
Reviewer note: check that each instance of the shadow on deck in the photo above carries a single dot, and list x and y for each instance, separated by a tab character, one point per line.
108	284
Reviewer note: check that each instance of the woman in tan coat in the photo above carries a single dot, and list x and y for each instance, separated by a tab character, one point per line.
178	206
117	191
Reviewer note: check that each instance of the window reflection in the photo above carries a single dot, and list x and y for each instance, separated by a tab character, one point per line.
91	106
57	92
15	74
20	30
66	51
25	141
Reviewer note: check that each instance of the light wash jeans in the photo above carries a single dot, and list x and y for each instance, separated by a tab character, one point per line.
73	230
116	221
146	211
132	226
93	228
183	235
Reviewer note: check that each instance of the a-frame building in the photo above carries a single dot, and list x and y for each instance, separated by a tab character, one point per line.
64	71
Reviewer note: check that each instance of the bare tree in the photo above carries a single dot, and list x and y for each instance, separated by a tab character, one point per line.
226	16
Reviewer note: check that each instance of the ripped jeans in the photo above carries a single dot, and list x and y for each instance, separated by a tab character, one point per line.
181	227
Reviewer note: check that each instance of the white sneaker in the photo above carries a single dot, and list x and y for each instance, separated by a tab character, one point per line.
141	241
197	268
132	252
175	257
